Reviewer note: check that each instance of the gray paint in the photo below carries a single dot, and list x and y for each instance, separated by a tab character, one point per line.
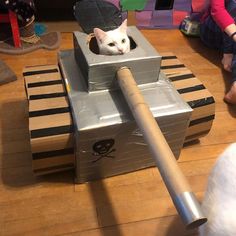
105	114
100	70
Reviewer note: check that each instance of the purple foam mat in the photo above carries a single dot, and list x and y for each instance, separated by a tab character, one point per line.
150	6
144	18
162	19
115	2
182	5
151	18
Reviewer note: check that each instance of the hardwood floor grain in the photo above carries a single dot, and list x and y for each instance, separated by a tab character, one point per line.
136	203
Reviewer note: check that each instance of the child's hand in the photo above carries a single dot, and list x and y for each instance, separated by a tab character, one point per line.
227	61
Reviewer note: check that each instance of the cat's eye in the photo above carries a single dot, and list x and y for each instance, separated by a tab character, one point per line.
111	44
123	40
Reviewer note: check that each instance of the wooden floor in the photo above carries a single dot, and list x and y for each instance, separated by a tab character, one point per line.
132	204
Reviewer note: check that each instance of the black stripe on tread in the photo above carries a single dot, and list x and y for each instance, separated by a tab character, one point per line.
201	102
55	168
51	131
44	83
172	66
49	154
49	111
191	89
181	77
168	57
197	135
201	120
49	95
38	72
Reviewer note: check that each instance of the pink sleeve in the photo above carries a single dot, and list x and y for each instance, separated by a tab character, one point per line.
220	14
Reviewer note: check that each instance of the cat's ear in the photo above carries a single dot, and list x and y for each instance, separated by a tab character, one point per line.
123	26
99	34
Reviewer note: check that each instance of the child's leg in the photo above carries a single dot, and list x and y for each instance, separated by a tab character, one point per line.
227	49
229	44
210	34
227	61
213	37
230	96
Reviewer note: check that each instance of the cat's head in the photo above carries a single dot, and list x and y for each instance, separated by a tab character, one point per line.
113	42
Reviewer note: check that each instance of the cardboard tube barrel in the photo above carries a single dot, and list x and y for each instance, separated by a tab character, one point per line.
182	196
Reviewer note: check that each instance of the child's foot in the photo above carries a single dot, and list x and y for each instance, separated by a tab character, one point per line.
230	97
227	61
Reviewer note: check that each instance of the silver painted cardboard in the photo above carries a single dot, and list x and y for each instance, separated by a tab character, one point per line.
99	71
108	141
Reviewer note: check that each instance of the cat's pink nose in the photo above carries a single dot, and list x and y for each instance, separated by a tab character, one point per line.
121	51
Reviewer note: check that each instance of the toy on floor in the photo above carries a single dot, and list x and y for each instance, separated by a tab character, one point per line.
190	27
10	18
46	94
24	38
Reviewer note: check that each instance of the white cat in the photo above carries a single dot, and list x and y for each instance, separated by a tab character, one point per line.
113	42
219	203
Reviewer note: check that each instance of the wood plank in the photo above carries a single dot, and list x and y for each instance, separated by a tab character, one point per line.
170	225
32	92
196	95
49	103
53	205
10	160
52	224
45	163
186	83
19	184
52	76
54	142
203	111
54	120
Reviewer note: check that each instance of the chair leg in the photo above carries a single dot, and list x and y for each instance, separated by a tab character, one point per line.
15	29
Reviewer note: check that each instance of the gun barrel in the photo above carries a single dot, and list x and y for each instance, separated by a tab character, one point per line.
182	196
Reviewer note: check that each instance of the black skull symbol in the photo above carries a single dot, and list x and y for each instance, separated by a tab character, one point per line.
103	148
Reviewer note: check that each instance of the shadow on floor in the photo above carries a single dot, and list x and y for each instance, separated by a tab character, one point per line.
178	228
107	219
15	156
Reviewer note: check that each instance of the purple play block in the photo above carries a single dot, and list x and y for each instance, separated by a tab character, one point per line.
150	5
151	18
182	5
162	19
115	2
143	18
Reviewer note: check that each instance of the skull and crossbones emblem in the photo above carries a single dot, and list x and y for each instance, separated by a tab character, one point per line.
103	148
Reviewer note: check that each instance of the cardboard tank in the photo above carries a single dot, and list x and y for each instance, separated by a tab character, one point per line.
107	139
